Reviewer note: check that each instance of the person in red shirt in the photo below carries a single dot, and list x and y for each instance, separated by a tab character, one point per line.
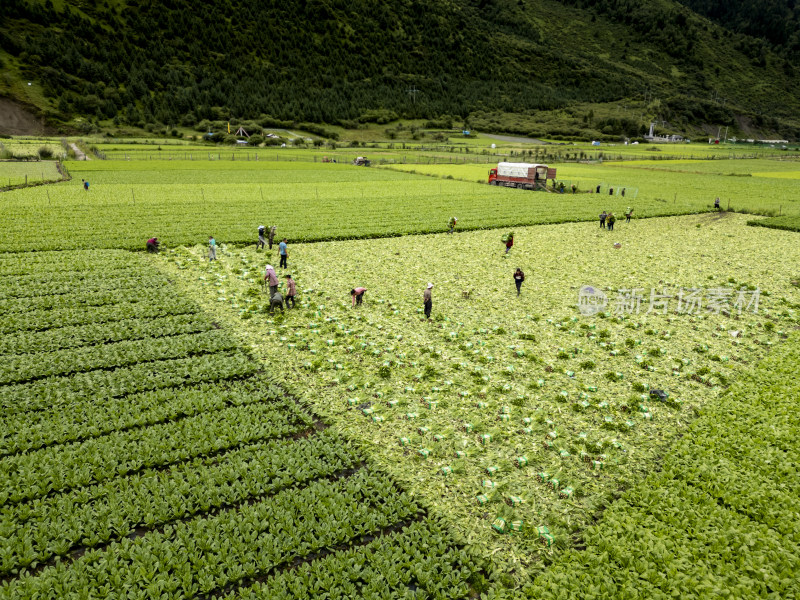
291	289
357	294
152	245
509	243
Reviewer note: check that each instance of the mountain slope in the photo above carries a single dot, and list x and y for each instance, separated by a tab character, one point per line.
774	21
177	61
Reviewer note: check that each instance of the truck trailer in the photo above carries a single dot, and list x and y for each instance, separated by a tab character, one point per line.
528	176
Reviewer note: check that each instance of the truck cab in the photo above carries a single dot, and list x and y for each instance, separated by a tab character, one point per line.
492	175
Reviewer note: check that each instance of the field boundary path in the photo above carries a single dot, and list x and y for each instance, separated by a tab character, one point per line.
514	139
79	154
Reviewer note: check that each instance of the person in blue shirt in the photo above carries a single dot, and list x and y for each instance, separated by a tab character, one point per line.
284	254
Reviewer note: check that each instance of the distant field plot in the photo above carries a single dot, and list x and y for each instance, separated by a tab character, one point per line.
787	223
386	154
16	173
183	202
738	167
23	148
666	183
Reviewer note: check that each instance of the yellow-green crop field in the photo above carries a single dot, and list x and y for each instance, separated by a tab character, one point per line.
625	427
506	406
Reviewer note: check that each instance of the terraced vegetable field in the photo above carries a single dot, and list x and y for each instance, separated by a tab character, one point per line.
144	454
508	410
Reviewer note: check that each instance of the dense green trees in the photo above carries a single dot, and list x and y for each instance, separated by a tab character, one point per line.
179	62
775	21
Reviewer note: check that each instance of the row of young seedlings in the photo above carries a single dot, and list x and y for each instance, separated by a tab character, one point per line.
77	389
202	555
21	368
103	416
59	468
37	531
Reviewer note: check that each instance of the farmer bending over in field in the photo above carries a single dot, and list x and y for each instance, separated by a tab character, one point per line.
276	302
291	290
152	245
271	279
357	295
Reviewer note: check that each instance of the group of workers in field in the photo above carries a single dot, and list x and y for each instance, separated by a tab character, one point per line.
607	219
266	238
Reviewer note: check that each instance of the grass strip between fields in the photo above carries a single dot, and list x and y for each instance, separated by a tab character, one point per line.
785	223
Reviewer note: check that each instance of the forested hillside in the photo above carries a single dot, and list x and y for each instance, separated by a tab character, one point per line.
335	61
774	21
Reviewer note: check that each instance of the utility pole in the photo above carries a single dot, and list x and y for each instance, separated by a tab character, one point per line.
413	91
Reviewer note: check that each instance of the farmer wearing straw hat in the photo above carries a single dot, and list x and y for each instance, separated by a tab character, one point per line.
271	279
427	301
452	223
